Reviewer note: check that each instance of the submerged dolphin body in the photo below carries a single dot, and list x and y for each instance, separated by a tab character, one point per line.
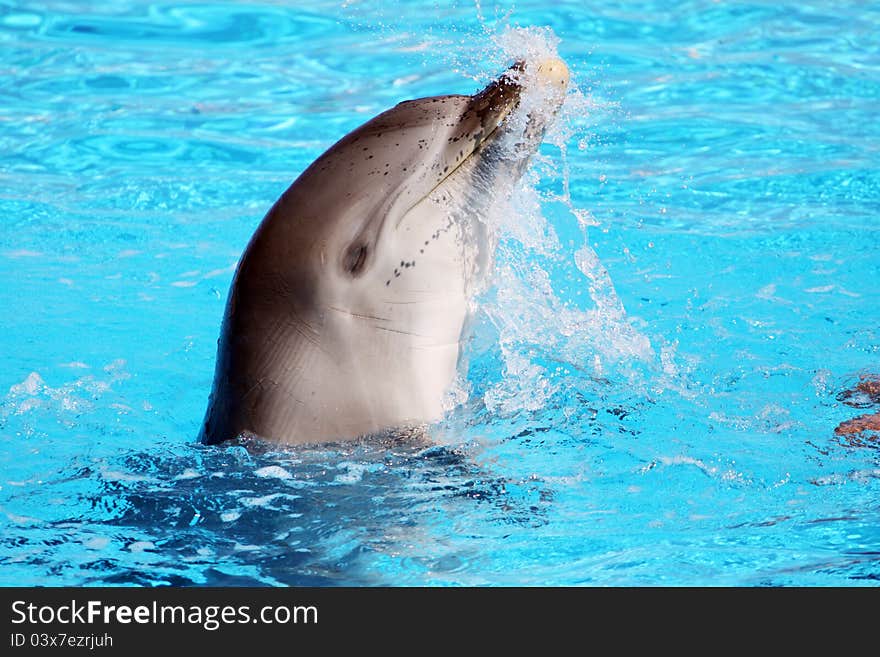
346	312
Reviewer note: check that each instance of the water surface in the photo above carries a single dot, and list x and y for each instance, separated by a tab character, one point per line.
686	289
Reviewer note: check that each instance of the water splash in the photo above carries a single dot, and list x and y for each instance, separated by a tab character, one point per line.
67	402
537	337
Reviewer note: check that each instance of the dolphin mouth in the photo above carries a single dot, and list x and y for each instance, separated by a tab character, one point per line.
494	103
501	98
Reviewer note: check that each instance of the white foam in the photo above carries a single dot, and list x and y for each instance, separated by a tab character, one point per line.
96	543
188	473
32	384
275	471
141	546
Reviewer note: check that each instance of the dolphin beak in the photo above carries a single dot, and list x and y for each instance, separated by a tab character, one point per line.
498	99
550	77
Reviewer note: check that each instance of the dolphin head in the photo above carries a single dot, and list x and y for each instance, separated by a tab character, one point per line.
347	307
366	182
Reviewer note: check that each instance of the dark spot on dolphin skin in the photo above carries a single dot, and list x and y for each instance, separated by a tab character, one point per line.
366	148
426	242
422	250
445	169
401	263
355	258
388	282
385	174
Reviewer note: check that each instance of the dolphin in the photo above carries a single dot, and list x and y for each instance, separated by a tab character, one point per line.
347	310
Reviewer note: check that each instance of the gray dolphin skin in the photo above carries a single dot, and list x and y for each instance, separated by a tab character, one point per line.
346	313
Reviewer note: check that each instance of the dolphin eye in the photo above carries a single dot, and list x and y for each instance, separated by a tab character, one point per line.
355	259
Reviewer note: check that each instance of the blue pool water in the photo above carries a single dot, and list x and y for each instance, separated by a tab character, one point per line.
688	289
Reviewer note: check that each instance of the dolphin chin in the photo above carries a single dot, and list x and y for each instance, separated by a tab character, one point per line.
346	313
